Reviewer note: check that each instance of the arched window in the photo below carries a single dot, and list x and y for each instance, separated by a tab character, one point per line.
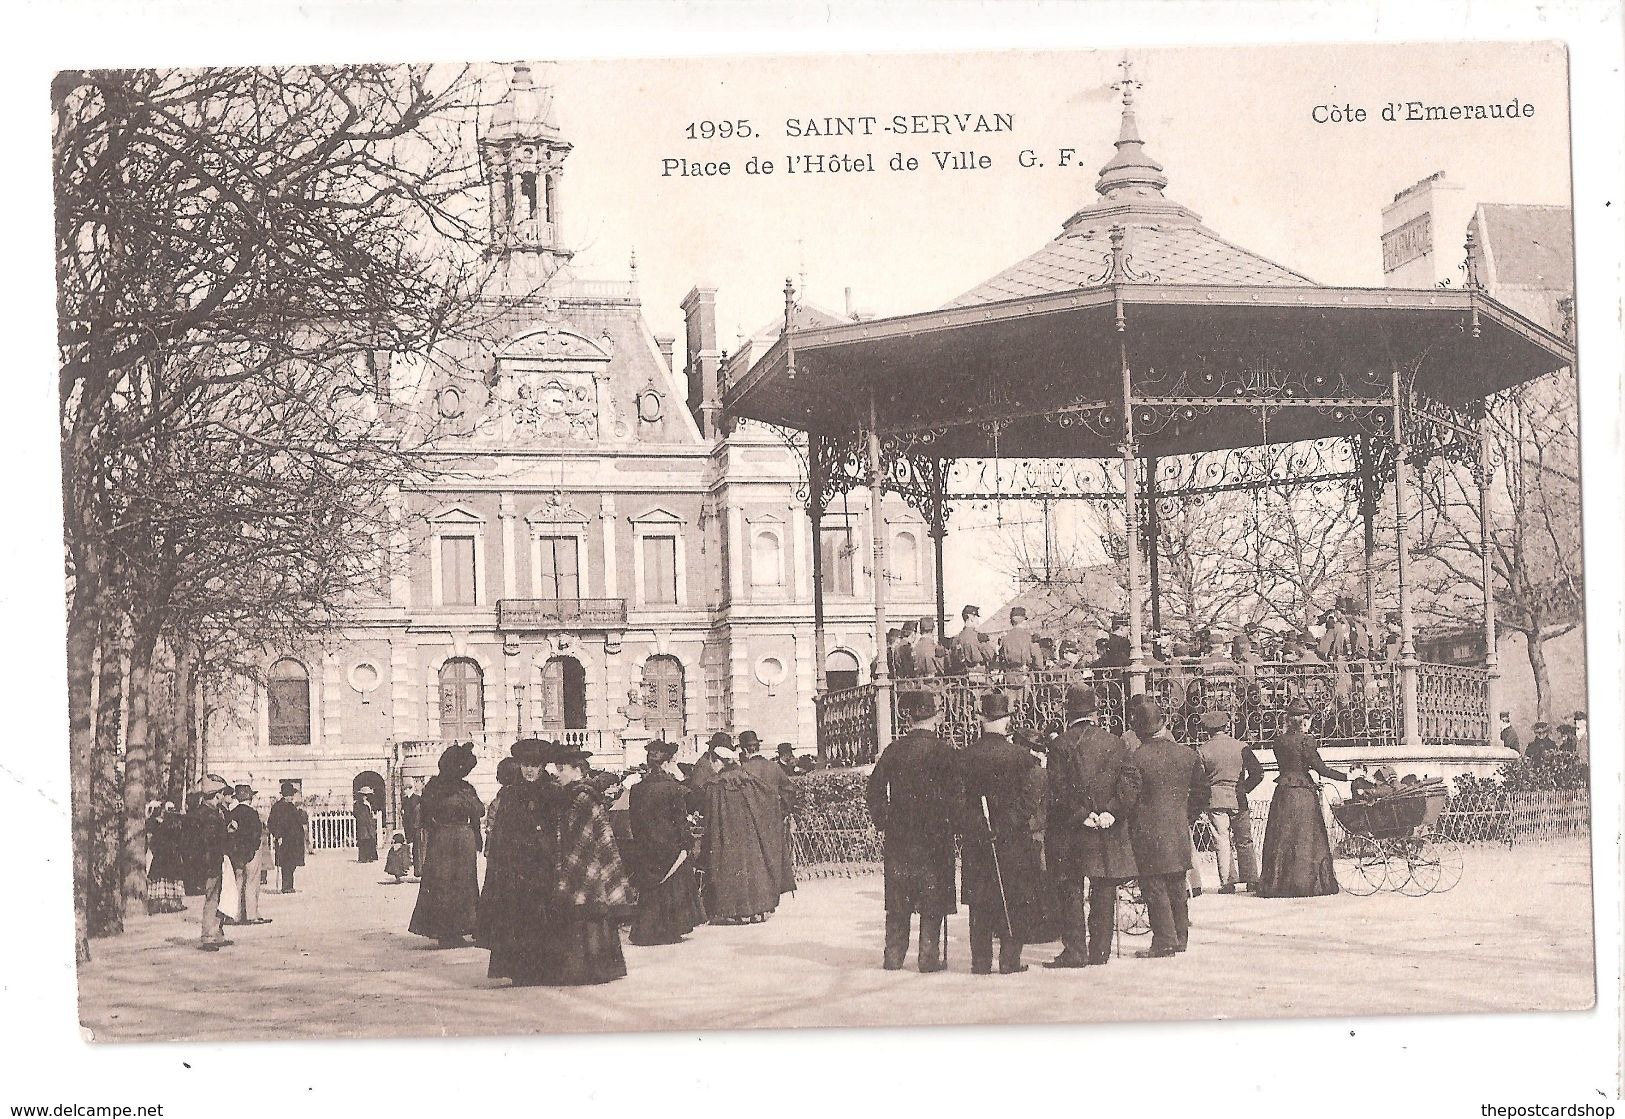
905	557
462	699
663	697
766	560
527	187
840	670
288	693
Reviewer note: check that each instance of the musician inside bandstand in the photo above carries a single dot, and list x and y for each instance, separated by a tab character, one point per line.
1245	669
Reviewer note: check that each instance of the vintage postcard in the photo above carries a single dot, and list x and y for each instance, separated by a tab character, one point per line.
834	540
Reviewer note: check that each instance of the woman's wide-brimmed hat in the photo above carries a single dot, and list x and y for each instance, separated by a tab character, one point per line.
531	751
567	755
720	738
660	750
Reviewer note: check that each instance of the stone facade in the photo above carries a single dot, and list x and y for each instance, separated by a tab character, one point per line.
604	561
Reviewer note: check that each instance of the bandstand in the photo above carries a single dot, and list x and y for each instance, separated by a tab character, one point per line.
1139	337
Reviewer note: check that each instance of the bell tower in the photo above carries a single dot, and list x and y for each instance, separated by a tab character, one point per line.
524	156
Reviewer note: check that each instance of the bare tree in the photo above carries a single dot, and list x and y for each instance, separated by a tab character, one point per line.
232	246
1535	541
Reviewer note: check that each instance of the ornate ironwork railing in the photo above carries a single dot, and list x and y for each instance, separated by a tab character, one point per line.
1351	703
1452	703
847	734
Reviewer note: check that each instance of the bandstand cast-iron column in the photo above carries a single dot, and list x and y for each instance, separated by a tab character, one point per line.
1370	501
1484	474
1402	524
939	531
1131	484
1153	545
815	513
877	533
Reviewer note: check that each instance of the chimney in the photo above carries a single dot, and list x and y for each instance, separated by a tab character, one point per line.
666	343
1422	233
704	359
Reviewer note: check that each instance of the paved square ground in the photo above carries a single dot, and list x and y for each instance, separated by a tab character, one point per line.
337	961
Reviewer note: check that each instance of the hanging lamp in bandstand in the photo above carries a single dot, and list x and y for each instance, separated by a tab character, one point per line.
1137	335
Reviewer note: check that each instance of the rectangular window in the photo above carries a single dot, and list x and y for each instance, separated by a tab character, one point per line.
838	550
457	571
660	570
560	577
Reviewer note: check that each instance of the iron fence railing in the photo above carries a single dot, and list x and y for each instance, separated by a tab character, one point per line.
1351	703
841	842
846	726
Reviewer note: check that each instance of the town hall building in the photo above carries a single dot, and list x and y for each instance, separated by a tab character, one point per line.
601	559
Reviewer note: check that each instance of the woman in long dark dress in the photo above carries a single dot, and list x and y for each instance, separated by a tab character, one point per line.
194	864
164	839
590	885
522	857
660	861
366	830
508	773
448	897
1297	856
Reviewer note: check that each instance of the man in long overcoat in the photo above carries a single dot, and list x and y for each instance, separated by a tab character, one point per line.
1227	762
914	795
287	824
1002	876
739	854
1162	787
1088	836
779	801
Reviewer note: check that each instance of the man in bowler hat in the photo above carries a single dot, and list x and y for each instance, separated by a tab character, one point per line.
1088	836
913	796
244	829
1001	871
1163	787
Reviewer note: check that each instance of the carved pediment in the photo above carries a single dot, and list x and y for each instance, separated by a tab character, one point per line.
555	342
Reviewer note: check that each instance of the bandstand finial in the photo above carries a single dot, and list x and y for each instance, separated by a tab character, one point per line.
1131	173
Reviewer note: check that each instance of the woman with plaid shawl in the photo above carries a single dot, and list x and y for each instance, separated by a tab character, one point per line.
591	884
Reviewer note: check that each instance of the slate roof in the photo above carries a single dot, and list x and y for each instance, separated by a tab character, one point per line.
1162	253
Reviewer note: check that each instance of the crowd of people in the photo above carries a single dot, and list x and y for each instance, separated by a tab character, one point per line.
221	851
1049	828
1343	634
573	854
1573	739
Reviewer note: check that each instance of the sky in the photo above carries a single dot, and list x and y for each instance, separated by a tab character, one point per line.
1234	129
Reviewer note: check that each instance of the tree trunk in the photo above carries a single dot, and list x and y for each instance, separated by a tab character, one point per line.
104	908
140	773
1535	645
81	753
182	728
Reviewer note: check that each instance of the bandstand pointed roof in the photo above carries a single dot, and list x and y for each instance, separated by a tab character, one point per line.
1226	348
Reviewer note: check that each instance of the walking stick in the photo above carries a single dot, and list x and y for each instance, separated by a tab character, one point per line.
998	876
